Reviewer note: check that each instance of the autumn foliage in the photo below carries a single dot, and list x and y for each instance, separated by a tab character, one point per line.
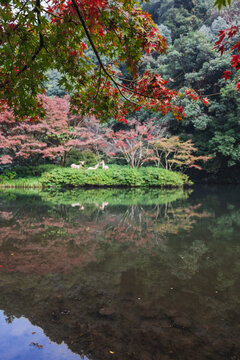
172	153
60	131
51	138
229	40
91	42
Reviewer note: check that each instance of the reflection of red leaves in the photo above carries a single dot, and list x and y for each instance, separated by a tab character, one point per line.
39	346
1	267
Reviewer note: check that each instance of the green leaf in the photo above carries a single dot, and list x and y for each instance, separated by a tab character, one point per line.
221	3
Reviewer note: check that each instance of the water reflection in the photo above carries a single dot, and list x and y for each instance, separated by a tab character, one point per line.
138	278
23	341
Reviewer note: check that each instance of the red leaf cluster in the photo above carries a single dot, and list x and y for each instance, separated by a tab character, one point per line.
222	45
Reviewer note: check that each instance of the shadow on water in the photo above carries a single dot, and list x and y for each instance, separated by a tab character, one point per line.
119	274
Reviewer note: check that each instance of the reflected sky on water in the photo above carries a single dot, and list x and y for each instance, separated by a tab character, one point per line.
20	340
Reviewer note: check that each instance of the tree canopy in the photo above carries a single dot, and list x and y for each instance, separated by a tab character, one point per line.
92	44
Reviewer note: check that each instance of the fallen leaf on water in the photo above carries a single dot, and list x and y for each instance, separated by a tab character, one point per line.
111	352
39	346
12	254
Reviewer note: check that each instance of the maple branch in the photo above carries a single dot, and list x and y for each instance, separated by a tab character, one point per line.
41	41
20	10
120	40
38	11
127	80
39	48
59	17
97	54
99	83
217	93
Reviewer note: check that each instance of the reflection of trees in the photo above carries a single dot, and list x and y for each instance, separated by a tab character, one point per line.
148	226
225	225
43	240
114	196
146	282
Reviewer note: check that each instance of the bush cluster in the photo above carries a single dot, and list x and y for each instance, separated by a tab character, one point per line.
24	176
8	175
114	176
31	171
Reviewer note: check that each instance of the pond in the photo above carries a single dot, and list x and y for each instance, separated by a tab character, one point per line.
120	274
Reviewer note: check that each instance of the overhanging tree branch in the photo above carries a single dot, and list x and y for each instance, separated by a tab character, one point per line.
97	54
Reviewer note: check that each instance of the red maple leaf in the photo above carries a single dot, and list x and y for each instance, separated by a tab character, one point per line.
227	74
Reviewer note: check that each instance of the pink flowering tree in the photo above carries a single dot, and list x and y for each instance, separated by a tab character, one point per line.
31	140
90	135
51	138
133	144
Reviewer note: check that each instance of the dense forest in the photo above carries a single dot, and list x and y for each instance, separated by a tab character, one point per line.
191	28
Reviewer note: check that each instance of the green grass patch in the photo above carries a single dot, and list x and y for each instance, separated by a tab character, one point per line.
29	182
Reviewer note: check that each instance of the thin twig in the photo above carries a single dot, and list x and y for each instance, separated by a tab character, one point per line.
20	10
99	83
97	54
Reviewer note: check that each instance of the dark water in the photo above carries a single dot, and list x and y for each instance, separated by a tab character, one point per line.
122	275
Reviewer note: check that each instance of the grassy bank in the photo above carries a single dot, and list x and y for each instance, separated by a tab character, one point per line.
24	183
58	177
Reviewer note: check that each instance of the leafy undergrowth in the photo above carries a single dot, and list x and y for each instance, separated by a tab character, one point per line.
24	176
114	176
58	177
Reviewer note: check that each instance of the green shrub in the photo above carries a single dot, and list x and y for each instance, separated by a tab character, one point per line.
114	176
31	171
8	174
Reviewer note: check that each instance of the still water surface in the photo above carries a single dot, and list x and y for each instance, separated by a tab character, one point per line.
120	274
